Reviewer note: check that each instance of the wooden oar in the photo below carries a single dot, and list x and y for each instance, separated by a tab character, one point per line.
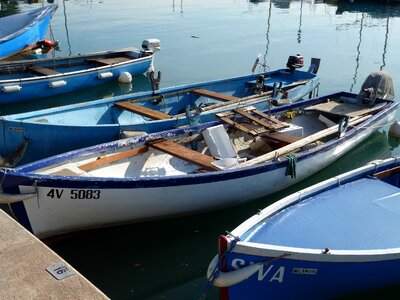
300	143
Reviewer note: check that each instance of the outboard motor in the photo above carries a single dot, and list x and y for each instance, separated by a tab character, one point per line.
150	46
377	85
295	62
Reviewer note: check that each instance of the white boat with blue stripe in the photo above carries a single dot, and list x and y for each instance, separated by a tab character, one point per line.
192	169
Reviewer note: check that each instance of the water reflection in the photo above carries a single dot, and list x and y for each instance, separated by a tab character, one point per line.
8	8
358	52
300	20
66	29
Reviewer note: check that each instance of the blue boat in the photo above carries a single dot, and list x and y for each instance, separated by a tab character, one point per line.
336	238
23	30
191	169
34	135
32	79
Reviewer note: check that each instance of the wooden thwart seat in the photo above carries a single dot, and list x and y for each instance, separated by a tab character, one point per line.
103	160
215	95
110	61
177	150
44	71
141	110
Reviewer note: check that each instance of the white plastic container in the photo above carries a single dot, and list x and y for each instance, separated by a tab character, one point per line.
218	142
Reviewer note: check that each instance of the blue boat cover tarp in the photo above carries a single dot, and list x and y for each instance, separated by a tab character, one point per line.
14	25
360	215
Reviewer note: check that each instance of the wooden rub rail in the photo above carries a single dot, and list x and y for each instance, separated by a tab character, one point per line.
141	110
184	153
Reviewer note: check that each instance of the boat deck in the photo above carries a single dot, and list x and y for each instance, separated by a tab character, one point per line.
367	210
23	264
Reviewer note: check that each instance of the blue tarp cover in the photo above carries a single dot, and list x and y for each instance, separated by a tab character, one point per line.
14	25
360	215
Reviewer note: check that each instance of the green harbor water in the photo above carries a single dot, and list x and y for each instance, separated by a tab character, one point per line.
204	40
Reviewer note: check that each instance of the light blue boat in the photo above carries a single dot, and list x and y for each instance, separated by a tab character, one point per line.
24	29
32	79
333	239
34	135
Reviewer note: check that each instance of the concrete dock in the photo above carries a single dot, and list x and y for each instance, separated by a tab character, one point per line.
31	270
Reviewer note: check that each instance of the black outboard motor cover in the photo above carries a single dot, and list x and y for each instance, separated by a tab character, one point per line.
295	62
377	85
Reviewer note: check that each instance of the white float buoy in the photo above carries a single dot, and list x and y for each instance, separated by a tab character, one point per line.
125	77
395	129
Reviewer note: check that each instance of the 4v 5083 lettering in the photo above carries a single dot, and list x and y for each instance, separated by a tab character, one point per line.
74	194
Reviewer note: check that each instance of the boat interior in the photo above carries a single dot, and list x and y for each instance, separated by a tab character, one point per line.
245	137
59	66
175	104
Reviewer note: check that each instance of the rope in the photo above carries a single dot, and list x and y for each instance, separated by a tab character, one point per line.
203	292
291	167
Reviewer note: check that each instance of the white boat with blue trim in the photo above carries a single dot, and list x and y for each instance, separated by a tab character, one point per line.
334	239
192	169
26	80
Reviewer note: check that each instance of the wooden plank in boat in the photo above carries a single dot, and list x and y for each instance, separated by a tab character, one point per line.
110	61
238	126
345	109
270	123
282	137
141	110
194	157
277	125
387	173
44	71
103	160
215	95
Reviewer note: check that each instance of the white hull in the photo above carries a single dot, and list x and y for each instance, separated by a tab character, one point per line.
57	209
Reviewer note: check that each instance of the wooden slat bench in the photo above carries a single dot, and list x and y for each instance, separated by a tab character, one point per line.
44	71
141	110
215	95
267	122
177	150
